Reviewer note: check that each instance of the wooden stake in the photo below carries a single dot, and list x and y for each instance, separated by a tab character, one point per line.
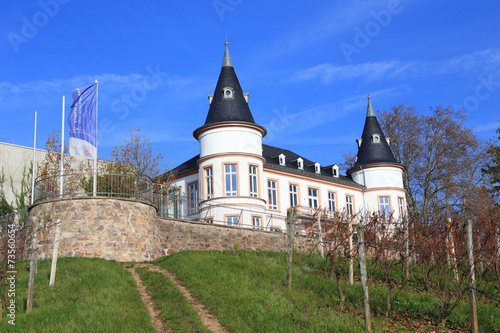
351	250
472	283
497	238
33	264
291	217
451	239
364	285
407	248
321	245
54	254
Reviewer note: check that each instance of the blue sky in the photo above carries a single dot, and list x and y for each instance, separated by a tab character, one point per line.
308	66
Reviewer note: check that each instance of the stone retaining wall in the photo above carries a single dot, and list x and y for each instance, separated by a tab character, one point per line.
118	229
181	235
129	230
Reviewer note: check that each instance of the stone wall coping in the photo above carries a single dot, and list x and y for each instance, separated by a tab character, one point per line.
216	225
92	198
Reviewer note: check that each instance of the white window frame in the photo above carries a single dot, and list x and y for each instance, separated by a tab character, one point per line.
401	205
349	205
272	190
193	198
294	195
300	163
209	182
233	220
231	179
253	172
313	195
331	201
256	222
384	205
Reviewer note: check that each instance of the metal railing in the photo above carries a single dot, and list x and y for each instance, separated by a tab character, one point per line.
81	184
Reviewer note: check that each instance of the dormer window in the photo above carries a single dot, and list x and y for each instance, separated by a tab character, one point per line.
300	163
388	141
335	171
358	141
317	167
227	92
376	138
282	159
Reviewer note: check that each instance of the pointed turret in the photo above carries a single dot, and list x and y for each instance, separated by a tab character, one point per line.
373	147
228	104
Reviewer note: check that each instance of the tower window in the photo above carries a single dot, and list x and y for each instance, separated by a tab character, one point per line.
227	92
376	138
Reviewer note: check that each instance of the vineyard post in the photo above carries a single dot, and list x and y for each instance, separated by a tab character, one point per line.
364	285
407	247
472	283
33	268
321	244
497	240
291	217
55	253
451	239
351	247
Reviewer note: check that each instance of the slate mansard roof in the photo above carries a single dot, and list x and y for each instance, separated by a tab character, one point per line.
271	155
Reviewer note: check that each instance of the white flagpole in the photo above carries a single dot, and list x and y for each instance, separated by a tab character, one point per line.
33	169
95	156
61	178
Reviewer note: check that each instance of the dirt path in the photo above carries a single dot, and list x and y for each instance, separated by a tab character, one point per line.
154	312
211	322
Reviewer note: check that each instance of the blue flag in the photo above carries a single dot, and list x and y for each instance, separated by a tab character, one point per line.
82	123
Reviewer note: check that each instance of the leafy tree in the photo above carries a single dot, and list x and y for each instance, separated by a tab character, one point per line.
5	208
442	157
136	156
493	169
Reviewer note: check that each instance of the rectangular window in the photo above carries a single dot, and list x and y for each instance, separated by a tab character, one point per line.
255	222
193	198
272	189
401	205
385	210
252	170
209	181
232	220
208	220
313	197
294	195
231	180
349	205
331	201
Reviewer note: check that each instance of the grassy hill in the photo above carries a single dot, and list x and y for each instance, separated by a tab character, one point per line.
245	290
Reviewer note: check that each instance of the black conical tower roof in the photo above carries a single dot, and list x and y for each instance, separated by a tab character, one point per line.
228	110
370	151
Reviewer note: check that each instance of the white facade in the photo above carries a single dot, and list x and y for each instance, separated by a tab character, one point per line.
236	180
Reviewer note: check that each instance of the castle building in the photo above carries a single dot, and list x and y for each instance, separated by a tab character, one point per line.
238	180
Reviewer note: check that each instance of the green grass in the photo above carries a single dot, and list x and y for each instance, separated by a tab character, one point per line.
175	309
89	295
246	291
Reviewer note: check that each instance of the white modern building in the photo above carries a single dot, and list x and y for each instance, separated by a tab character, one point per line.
238	180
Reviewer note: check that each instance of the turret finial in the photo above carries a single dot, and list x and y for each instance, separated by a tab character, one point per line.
369	111
227	58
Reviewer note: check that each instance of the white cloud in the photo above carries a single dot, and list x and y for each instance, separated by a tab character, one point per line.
327	73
